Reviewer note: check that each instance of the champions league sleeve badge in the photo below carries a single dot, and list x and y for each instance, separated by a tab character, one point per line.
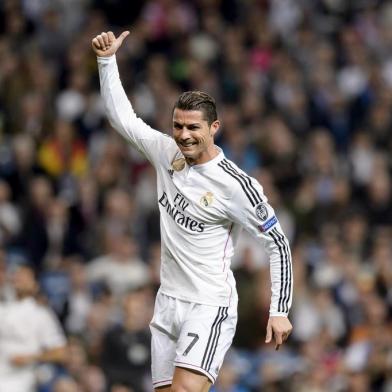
261	211
267	225
262	214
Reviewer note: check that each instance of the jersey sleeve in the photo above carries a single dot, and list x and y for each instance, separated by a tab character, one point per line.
250	209
122	117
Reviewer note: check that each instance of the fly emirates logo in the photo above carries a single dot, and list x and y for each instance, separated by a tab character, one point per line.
177	212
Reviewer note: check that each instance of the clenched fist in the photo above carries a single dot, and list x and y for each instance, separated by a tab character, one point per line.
106	44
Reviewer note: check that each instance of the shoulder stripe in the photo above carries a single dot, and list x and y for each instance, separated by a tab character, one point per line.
240	181
248	182
254	199
248	179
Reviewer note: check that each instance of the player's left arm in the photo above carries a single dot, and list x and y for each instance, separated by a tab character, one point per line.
252	210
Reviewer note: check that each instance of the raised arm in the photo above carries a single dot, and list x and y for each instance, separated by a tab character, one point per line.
118	108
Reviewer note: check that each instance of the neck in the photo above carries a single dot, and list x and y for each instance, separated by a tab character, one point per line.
208	155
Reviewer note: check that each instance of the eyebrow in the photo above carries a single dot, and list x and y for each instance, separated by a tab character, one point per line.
187	125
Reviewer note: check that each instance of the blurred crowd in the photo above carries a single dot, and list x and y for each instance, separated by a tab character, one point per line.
304	94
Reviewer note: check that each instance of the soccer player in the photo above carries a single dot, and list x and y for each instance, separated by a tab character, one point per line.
204	200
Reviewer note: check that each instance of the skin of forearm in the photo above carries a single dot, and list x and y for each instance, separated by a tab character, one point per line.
56	355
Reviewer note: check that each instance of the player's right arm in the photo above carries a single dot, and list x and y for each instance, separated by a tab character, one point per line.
118	108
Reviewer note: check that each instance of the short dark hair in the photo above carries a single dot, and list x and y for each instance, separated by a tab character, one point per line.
198	100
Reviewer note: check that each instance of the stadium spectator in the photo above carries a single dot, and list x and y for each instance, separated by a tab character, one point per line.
29	335
125	357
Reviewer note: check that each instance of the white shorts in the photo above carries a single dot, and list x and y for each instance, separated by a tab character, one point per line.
189	335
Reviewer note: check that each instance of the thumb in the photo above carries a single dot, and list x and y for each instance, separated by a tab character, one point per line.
122	36
268	336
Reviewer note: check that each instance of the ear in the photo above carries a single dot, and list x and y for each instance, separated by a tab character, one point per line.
214	127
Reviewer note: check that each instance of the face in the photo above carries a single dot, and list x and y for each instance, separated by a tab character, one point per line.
193	135
24	282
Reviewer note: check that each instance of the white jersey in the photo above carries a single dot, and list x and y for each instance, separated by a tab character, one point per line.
26	327
202	208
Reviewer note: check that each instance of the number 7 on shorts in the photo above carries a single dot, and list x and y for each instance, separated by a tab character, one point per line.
195	337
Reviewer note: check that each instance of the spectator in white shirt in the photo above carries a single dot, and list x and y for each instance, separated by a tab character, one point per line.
120	268
29	334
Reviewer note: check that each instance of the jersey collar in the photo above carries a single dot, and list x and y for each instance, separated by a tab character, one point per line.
210	163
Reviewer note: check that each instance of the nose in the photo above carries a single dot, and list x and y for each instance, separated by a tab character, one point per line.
183	133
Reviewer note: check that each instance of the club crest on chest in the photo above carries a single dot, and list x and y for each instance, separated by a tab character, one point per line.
207	199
